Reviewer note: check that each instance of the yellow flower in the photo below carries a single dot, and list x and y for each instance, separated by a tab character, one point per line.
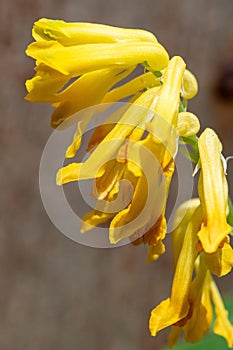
203	293
189	309
124	142
69	34
87	90
220	263
222	325
213	193
199	318
79	59
177	307
96	56
131	158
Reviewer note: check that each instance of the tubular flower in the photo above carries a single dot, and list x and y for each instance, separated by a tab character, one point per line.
193	312
96	56
189	309
131	155
132	158
203	293
176	308
213	192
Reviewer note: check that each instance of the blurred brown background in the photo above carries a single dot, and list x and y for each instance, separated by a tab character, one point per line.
54	293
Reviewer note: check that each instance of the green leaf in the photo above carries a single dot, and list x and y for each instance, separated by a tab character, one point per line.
192	141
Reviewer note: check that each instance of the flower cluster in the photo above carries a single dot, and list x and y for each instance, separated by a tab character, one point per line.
79	65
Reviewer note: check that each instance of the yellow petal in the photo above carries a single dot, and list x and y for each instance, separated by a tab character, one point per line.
98	135
181	220
213	192
93	219
198	324
169	99
68	173
206	299
220	263
74	146
88	90
115	138
149	199
80	59
134	86
44	85
222	324
201	314
73	172
174	335
153	236
176	308
187	124
110	145
154	251
190	86
162	127
68	33
124	224
104	184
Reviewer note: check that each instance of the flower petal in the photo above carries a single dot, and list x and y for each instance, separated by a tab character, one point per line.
80	59
181	220
86	91
222	324
176	308
190	86
220	263
44	85
154	251
198	323
213	192
187	124
134	86
69	34
93	219
168	100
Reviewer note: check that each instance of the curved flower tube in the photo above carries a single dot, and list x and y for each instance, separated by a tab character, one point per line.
213	192
69	34
95	55
189	309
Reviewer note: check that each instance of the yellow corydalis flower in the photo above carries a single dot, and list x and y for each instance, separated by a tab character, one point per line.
203	293
91	59
69	34
213	192
131	157
125	139
97	56
177	307
189	309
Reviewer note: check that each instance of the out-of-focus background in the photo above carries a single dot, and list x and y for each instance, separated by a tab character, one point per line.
54	293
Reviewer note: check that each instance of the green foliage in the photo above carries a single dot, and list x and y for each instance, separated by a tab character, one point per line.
193	152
